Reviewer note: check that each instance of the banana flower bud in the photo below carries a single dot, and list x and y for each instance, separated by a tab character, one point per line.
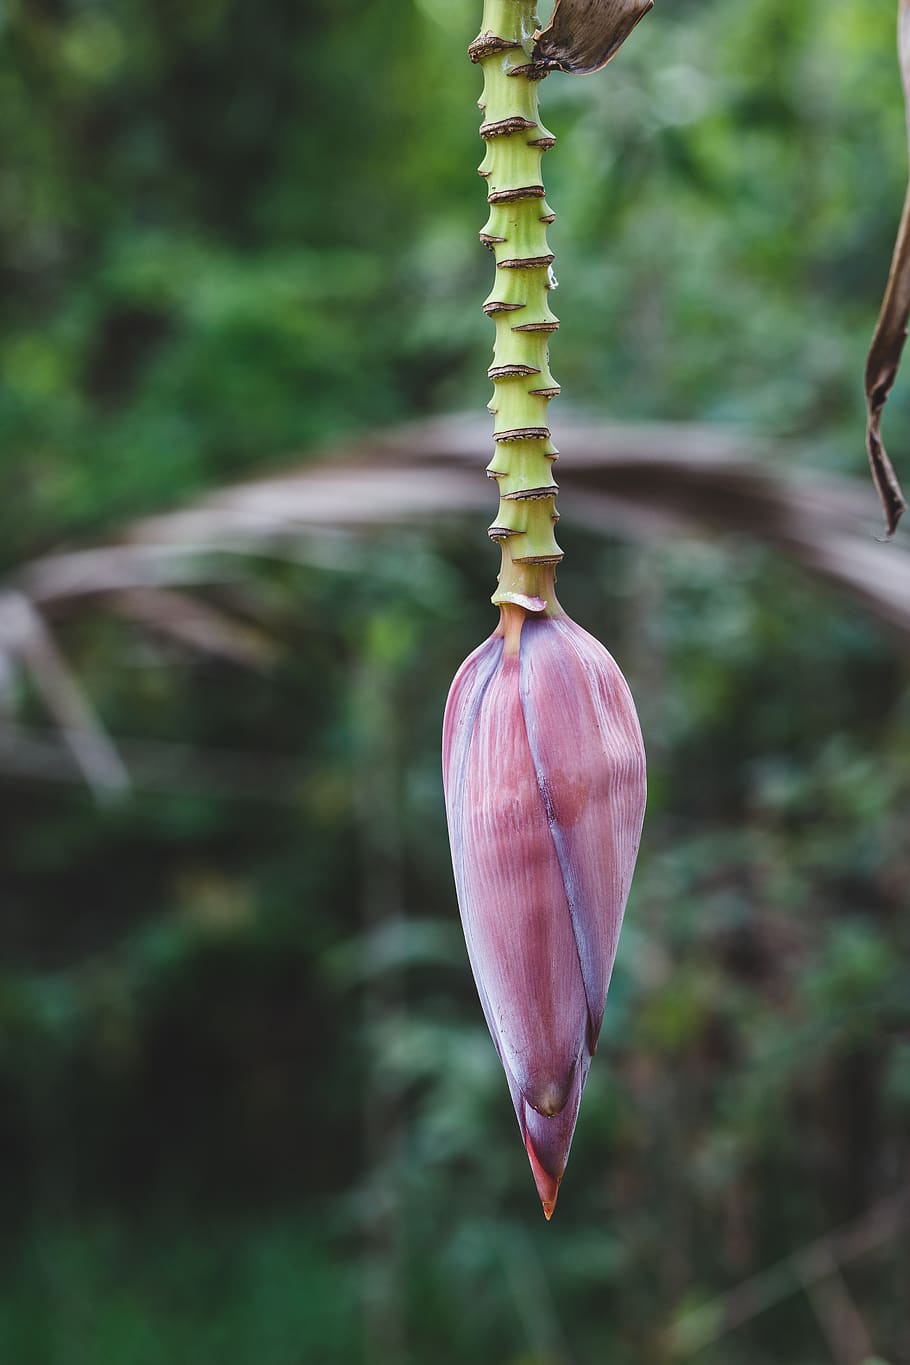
544	774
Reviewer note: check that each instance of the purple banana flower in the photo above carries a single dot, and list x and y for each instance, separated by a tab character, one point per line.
544	773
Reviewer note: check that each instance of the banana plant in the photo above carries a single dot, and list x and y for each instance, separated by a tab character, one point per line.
543	760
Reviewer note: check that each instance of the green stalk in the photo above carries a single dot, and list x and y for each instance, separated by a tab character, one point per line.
516	232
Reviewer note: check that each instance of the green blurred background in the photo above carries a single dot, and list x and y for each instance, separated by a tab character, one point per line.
250	1112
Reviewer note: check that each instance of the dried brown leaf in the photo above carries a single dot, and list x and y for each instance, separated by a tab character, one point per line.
25	632
185	617
891	330
583	35
641	481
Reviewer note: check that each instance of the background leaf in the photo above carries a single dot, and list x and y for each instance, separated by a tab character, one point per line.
891	331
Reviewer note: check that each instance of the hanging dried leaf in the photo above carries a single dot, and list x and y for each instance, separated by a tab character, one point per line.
891	330
583	35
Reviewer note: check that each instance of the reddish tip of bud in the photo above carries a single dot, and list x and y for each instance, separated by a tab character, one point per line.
547	1185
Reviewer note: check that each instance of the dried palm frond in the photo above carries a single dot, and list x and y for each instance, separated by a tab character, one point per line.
634	481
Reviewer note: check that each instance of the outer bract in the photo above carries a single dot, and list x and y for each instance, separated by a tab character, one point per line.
544	772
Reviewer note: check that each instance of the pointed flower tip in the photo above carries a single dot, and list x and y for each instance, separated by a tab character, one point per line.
547	1184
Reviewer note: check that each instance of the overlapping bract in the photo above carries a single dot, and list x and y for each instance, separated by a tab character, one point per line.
544	773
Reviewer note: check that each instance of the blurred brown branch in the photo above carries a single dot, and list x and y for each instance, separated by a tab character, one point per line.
26	639
635	481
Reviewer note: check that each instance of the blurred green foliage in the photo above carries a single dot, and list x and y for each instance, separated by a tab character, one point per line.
250	1111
